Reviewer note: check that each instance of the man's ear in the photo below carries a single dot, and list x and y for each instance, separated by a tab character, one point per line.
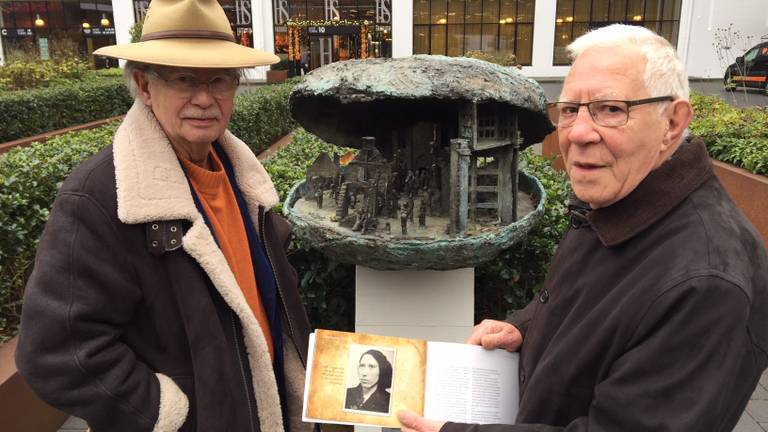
142	84
679	114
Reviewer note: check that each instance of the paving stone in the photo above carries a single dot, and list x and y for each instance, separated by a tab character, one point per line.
760	393
74	424
764	426
747	424
764	379
758	409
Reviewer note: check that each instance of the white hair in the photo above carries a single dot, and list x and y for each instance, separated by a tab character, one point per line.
664	73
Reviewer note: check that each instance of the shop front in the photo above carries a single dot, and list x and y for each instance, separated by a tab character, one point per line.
313	33
53	29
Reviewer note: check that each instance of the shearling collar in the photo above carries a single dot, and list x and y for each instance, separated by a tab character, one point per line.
151	185
662	190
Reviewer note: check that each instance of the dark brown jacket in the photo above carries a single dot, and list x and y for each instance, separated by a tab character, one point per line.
654	316
132	319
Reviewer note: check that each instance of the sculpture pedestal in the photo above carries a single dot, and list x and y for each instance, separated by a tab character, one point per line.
427	304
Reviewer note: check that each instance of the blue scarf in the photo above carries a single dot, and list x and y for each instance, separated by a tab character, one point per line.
265	276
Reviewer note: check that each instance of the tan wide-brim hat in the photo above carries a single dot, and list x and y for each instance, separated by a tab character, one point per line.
188	33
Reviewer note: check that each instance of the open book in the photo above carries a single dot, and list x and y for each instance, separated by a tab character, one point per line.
364	379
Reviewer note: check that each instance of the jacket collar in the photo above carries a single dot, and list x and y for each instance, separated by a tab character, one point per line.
661	191
151	184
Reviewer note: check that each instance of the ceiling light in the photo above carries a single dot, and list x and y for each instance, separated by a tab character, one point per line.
104	20
39	22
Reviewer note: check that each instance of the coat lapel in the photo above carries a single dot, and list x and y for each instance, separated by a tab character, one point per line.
151	186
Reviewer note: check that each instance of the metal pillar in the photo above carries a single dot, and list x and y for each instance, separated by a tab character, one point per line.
459	206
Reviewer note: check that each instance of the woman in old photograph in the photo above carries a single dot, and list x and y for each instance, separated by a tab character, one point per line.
375	375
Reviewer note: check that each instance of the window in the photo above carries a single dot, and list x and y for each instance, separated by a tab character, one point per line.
576	17
453	27
749	56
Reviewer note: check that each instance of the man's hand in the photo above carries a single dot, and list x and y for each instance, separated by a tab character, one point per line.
491	334
413	422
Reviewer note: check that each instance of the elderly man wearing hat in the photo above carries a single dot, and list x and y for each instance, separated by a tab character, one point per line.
161	297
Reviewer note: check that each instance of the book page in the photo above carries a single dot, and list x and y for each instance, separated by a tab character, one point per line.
469	384
356	378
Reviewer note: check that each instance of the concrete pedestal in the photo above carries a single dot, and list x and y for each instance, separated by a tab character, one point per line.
431	305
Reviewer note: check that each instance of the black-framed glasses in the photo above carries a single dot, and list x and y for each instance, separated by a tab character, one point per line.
186	83
608	113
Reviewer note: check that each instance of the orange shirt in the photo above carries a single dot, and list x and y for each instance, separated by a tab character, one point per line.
218	200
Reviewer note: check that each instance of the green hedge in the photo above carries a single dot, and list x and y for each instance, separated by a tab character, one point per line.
738	136
501	285
21	75
29	180
261	115
259	118
31	112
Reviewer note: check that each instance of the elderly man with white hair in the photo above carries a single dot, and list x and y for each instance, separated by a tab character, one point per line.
162	298
654	315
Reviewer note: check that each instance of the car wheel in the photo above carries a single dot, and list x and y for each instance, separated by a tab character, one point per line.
728	82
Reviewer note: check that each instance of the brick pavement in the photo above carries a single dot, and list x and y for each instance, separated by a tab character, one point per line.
755	417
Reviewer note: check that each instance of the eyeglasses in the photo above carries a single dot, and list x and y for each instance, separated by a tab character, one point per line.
186	84
608	113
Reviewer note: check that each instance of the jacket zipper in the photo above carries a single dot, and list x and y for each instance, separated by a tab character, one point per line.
277	282
242	370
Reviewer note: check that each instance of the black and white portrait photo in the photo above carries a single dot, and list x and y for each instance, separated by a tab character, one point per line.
369	378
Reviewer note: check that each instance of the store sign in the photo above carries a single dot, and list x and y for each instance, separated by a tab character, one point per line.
281	11
332	10
243	12
16	32
332	30
99	31
44	53
383	11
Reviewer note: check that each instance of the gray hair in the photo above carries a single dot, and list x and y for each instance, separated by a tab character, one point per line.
664	73
131	66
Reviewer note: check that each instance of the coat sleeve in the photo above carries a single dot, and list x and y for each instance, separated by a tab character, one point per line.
682	370
520	318
81	293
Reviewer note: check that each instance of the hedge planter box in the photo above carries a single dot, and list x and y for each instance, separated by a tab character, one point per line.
276	76
20	408
748	190
550	149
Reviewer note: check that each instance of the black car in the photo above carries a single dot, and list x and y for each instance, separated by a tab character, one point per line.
750	70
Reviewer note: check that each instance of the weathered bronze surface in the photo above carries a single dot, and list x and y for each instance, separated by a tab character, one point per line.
412	252
435	182
344	101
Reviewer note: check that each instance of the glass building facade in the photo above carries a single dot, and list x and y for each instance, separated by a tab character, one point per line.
453	27
339	42
576	17
53	28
